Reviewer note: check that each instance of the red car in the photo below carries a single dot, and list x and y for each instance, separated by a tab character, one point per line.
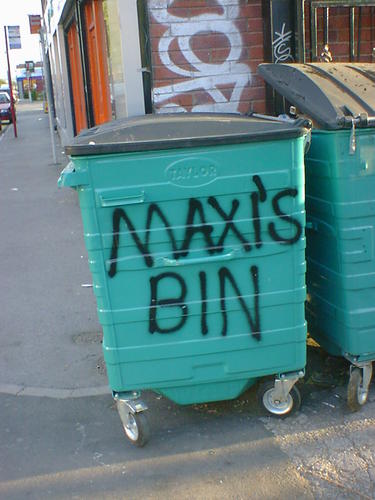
5	108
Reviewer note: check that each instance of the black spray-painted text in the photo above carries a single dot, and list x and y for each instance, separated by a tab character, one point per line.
194	224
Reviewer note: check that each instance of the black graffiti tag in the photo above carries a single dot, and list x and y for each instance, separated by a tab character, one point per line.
203	287
196	208
225	276
120	214
229	224
287	218
172	302
196	223
256	198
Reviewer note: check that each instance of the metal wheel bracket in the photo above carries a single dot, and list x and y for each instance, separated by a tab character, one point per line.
131	410
282	389
366	368
283	386
129	402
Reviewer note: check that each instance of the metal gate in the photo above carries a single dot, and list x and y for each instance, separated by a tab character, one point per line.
320	46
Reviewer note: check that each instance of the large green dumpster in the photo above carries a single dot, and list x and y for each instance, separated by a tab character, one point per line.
340	207
194	226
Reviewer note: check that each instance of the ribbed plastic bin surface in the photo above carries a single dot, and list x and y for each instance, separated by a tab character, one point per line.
196	249
340	242
340	199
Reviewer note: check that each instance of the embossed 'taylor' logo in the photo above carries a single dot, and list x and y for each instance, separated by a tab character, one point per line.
191	172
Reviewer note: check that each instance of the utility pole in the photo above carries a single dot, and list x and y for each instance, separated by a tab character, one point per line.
29	70
10	85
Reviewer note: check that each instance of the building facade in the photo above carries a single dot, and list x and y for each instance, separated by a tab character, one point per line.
111	59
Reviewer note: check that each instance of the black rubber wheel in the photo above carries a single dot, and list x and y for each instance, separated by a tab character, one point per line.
137	429
357	397
274	408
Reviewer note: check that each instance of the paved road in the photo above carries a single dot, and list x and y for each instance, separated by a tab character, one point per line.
60	434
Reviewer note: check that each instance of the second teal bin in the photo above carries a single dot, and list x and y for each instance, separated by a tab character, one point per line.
340	207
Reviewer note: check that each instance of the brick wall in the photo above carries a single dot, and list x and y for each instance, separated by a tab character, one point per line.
205	53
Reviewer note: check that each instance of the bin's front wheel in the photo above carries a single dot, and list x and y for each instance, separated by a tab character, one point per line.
266	398
357	393
135	425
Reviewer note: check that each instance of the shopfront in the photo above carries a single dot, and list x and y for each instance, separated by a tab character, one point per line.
89	54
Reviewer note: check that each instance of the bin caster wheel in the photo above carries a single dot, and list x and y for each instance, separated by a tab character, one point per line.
357	393
136	426
266	398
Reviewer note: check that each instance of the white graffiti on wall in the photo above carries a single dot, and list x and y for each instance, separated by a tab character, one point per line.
282	51
202	75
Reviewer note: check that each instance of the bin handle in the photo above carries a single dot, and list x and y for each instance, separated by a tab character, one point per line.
167	262
312	225
70	178
122	200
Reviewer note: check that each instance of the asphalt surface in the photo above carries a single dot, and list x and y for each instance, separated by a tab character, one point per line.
60	433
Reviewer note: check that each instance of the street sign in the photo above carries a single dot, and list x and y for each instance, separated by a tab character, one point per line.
29	66
35	24
14	34
14	37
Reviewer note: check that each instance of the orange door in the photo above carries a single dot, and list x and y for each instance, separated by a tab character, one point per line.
97	61
78	94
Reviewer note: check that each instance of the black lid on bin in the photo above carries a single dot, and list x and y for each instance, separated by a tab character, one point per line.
179	130
329	93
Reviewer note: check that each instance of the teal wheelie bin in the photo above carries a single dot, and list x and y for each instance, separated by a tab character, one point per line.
340	208
194	226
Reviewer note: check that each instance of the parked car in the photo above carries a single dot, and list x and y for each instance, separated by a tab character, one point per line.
5	88
5	107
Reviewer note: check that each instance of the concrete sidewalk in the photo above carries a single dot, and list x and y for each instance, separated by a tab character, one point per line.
49	332
57	441
60	433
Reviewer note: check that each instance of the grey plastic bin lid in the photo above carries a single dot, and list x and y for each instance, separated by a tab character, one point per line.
329	93
179	130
